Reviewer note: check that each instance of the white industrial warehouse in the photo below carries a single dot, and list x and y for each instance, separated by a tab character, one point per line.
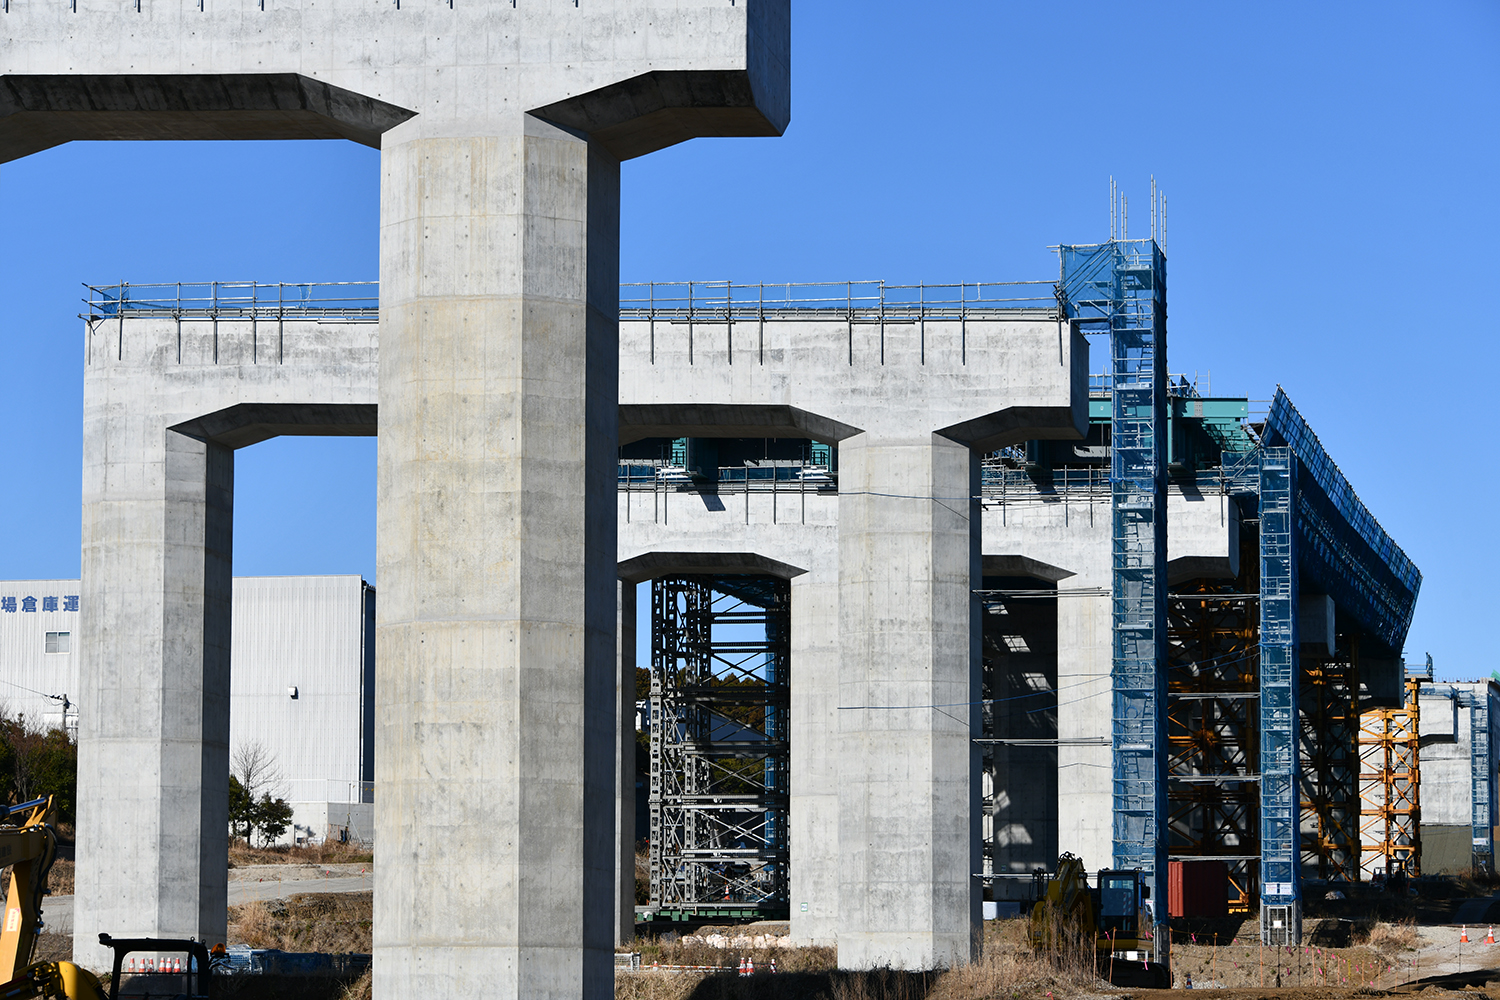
302	684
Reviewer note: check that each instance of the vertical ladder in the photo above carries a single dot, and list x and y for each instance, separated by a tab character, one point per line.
1280	813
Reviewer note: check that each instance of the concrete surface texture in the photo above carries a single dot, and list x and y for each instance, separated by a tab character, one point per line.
885	818
155	596
501	131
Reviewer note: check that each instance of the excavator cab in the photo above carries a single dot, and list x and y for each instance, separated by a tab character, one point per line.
1121	895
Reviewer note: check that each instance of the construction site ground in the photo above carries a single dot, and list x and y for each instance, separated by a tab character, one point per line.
1374	944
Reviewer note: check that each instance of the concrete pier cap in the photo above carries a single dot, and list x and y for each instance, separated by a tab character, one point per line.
501	128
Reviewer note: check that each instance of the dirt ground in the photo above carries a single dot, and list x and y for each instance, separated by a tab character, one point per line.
1222	960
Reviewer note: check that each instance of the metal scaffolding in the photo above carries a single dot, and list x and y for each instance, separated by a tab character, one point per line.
1280	875
1481	778
720	675
1390	786
1120	288
1330	763
1213	726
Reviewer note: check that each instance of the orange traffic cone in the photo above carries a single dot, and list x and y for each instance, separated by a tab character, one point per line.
751	966
1463	936
1490	937
742	965
773	966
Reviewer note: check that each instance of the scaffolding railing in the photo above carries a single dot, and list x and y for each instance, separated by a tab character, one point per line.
235	300
871	300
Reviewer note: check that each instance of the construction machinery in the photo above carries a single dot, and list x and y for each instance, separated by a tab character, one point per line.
1110	922
143	967
29	848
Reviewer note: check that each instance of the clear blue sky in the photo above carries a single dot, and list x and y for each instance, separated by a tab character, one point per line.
1330	168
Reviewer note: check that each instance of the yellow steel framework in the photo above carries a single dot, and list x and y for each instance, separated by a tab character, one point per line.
1331	764
1389	788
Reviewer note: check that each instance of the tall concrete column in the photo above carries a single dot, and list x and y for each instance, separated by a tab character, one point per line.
625	766
495	731
908	771
1085	786
815	749
153	750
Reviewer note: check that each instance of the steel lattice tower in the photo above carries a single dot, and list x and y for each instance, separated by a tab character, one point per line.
720	694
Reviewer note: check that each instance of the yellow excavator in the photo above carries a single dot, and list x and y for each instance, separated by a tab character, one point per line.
29	848
1111	920
180	969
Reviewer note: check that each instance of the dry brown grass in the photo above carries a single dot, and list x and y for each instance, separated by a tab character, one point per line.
53	947
60	878
326	853
359	989
1008	968
679	952
336	923
1400	936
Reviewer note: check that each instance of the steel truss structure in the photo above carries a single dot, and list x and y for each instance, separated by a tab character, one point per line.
1330	763
1120	288
1213	726
1280	859
720	697
1390	772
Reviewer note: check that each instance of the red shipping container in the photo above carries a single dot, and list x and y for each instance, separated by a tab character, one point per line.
1197	888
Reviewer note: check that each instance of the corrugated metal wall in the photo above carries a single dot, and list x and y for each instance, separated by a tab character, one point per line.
314	633
305	633
29	609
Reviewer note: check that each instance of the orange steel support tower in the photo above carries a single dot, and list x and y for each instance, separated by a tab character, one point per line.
1389	787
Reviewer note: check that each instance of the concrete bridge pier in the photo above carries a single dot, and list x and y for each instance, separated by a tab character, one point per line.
909	558
501	130
495	637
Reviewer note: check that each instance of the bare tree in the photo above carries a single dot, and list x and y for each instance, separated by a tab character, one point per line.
254	793
254	766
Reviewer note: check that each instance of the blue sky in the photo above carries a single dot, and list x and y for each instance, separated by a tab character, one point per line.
1330	170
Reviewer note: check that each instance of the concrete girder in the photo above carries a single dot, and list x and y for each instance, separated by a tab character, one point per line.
499	254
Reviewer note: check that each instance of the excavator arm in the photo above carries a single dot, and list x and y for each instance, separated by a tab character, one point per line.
29	848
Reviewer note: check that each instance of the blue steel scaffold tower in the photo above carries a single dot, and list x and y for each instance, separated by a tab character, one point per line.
1120	288
1280	802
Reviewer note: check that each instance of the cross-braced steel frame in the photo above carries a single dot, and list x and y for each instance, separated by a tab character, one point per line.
1389	787
1329	775
720	698
1213	724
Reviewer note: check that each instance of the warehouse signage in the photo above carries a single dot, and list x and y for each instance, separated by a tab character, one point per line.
32	604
